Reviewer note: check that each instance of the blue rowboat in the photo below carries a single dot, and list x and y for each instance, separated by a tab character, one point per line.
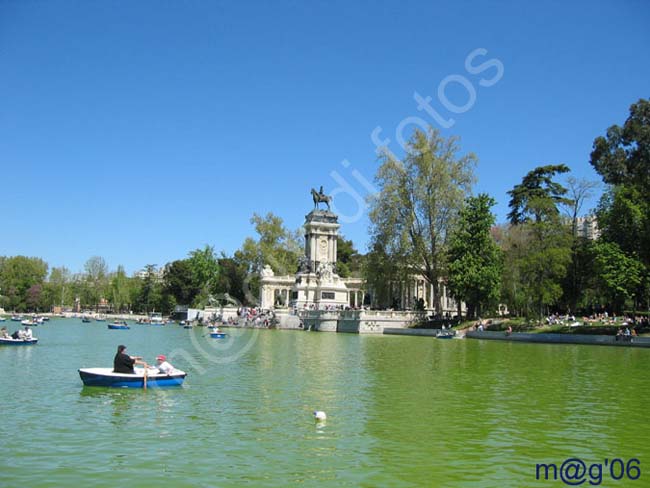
106	377
187	326
218	335
18	342
118	326
445	336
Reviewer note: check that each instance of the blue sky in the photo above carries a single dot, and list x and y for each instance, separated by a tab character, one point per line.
139	131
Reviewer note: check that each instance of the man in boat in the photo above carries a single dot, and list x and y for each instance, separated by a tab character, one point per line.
27	335
4	334
123	363
163	366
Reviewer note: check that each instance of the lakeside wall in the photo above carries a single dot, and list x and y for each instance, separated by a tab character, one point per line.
357	321
598	340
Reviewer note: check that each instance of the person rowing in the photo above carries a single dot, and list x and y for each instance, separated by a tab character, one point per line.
123	363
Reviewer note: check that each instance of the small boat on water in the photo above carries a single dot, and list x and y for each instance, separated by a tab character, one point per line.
86	320
16	318
100	318
218	335
106	377
118	326
2	319
33	323
446	335
18	342
156	319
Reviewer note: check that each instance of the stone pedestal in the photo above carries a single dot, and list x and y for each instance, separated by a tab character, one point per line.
317	284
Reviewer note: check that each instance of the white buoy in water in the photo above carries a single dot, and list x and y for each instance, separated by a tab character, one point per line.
320	415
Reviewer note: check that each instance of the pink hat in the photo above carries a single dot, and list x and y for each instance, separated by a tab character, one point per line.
162	357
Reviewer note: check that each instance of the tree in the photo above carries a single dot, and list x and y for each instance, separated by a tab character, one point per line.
276	246
348	260
57	290
21	280
418	204
150	297
619	275
474	259
622	157
178	281
96	279
537	185
575	283
205	271
539	268
119	290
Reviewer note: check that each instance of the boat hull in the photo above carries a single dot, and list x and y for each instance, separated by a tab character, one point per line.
218	335
118	327
17	342
105	377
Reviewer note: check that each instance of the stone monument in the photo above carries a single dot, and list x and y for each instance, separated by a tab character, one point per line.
317	284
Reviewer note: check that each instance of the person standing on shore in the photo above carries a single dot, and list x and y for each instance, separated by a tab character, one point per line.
123	363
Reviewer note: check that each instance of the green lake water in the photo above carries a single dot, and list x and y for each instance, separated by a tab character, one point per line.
402	411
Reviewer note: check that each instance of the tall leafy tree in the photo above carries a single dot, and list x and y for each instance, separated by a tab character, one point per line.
622	158
475	260
348	258
618	275
96	276
536	186
539	268
418	204
204	265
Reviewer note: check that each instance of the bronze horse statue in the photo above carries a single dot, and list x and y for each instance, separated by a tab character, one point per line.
319	197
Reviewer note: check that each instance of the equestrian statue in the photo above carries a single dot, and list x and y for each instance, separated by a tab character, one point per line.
320	197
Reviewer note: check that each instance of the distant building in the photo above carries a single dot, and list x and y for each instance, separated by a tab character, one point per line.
587	227
157	274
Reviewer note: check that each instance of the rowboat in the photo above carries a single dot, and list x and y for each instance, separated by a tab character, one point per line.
18	342
118	326
446	336
86	320
218	335
106	377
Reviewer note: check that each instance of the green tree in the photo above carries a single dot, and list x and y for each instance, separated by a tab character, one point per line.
205	273
619	276
119	290
538	269
150	298
418	204
348	258
475	261
58	290
96	277
179	282
622	158
537	185
21	281
275	246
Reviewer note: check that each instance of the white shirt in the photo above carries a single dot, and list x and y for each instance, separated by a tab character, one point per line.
165	368
28	335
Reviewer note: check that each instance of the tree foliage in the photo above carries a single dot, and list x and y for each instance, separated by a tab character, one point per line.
418	204
537	186
475	260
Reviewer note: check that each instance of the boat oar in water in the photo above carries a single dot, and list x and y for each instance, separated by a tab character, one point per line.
146	367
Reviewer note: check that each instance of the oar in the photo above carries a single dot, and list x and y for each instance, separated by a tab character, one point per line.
145	375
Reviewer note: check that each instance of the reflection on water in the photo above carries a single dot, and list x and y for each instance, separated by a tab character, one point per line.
401	411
